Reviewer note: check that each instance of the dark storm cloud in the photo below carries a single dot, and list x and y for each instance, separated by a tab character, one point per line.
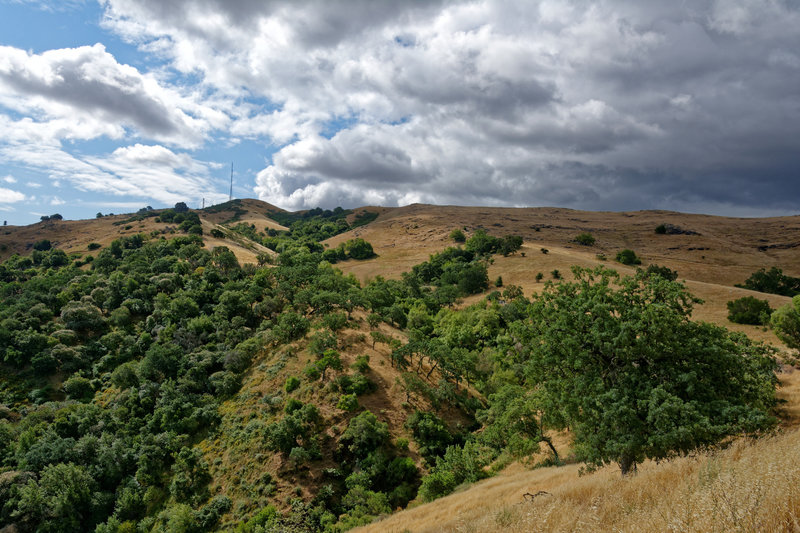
591	104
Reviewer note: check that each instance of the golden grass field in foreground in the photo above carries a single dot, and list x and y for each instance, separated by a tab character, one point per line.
752	486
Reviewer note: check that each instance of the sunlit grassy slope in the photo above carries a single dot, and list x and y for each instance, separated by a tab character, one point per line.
752	485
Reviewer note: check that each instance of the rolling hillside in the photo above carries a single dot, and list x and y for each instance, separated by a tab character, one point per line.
344	361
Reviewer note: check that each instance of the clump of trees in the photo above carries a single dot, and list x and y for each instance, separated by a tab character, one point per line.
772	281
749	310
585	239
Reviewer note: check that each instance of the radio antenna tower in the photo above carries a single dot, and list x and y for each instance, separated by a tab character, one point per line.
230	194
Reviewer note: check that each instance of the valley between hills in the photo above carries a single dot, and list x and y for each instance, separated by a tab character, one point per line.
244	368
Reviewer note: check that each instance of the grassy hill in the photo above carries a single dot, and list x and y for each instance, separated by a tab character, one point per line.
279	341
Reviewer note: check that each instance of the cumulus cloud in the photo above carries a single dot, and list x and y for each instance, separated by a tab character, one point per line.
8	196
581	103
587	104
83	93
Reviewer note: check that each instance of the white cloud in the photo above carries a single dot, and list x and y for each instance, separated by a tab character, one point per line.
584	103
150	172
9	179
84	93
7	196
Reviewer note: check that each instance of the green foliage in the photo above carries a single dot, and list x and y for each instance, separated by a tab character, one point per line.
364	434
458	236
628	257
264	520
361	364
358	249
297	428
636	378
347	402
78	388
458	465
786	322
772	281
42	245
661	229
94	246
190	477
62	500
481	243
665	272
586	239
291	384
430	433
363	218
749	310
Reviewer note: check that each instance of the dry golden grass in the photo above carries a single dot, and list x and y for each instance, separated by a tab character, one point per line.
751	486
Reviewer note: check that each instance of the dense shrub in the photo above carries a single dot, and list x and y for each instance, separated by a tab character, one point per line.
773	281
586	239
749	310
458	236
628	257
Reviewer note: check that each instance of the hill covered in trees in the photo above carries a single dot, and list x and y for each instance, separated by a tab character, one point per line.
177	388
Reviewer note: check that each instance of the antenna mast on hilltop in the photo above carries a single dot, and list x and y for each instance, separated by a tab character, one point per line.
230	194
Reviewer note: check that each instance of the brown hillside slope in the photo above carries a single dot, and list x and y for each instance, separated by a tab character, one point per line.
74	236
725	250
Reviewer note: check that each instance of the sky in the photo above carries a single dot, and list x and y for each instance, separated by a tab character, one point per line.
113	105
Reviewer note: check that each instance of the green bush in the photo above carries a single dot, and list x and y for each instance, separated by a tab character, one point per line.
458	465
291	384
665	272
42	245
94	245
661	229
347	402
628	257
586	239
749	310
361	363
457	235
786	321
430	433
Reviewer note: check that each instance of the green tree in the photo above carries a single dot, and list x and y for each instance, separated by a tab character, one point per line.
60	501
786	321
628	257
633	377
773	281
364	434
749	310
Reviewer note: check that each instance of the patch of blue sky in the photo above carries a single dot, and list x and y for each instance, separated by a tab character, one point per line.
29	26
96	146
400	121
249	157
332	127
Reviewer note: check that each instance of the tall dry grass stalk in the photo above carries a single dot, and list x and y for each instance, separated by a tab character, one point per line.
752	486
